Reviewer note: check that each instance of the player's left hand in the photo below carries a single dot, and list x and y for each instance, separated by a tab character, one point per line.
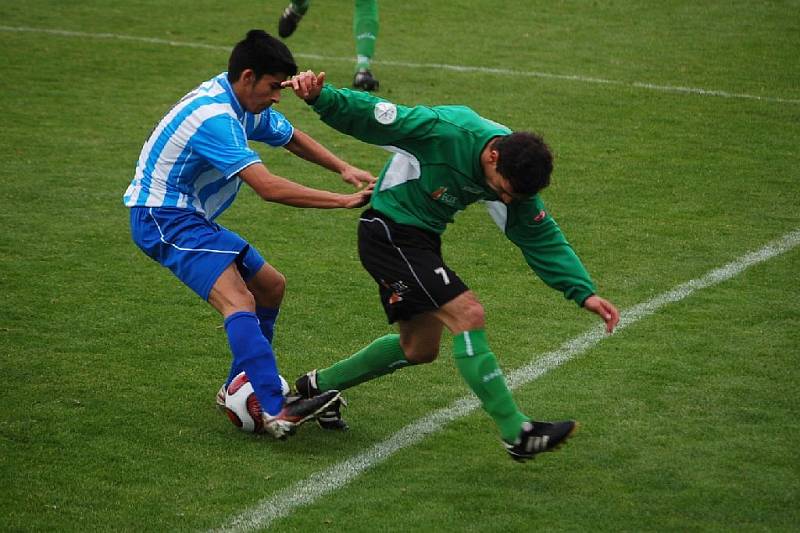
306	85
604	309
356	176
360	198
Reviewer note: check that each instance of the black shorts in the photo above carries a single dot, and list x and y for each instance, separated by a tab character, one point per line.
407	264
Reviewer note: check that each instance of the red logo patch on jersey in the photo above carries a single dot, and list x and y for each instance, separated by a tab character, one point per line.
438	193
539	217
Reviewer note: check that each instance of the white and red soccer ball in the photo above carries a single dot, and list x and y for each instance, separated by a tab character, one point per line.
242	406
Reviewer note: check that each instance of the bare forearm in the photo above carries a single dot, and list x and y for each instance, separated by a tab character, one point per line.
289	193
280	190
302	145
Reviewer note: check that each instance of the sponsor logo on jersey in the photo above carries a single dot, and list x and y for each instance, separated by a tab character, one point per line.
540	216
385	112
441	195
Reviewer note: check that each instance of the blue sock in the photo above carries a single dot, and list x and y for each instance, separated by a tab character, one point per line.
267	316
252	353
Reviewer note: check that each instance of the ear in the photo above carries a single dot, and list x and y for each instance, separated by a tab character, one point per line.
493	156
247	76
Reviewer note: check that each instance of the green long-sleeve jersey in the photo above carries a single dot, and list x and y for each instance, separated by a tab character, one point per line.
435	172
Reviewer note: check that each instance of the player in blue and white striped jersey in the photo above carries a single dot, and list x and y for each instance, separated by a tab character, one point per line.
190	170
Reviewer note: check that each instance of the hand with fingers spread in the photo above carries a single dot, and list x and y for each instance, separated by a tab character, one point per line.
357	177
306	85
360	198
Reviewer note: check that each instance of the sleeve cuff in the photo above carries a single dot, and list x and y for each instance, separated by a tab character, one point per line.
322	100
582	298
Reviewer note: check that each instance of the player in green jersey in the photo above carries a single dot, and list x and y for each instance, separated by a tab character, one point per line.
365	32
446	158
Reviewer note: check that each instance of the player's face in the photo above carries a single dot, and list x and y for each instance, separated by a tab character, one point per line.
257	95
501	186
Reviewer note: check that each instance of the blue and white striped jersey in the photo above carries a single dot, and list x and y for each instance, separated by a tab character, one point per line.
193	156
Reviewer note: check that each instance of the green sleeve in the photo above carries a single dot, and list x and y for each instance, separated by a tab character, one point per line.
546	250
372	119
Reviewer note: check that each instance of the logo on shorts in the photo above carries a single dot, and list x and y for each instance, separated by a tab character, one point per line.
385	112
540	216
398	288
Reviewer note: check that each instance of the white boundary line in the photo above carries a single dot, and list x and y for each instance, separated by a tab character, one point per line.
317	485
405	64
324	482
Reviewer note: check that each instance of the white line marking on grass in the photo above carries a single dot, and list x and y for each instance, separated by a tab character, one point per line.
317	485
406	64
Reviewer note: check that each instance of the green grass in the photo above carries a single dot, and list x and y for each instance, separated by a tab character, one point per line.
689	417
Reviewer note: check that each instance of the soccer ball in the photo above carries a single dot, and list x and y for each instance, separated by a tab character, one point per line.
242	405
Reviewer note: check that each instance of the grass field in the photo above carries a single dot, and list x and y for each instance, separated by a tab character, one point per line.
677	132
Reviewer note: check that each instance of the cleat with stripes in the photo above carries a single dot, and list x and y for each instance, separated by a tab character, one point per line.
296	411
288	21
538	437
330	417
365	81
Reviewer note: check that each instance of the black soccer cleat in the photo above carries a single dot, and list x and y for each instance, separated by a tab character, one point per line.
365	81
288	21
537	437
330	417
296	411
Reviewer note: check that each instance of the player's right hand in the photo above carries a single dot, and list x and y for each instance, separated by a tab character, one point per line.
306	85
360	198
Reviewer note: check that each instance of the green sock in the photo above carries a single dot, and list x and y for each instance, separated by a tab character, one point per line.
383	356
479	368
365	31
300	6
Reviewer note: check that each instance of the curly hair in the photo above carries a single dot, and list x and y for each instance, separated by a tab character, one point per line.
525	161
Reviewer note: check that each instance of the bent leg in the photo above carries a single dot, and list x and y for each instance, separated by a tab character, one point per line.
382	356
268	286
477	364
252	352
417	343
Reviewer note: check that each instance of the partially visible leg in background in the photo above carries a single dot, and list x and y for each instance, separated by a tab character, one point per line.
365	31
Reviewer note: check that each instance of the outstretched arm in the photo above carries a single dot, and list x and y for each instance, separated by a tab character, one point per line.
304	146
362	115
273	188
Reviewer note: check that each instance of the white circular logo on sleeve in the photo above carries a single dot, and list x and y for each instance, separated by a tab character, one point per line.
385	112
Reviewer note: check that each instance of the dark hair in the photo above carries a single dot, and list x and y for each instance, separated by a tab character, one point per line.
263	53
525	161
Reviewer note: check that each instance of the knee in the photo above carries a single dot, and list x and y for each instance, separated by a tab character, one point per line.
417	355
269	293
472	317
278	288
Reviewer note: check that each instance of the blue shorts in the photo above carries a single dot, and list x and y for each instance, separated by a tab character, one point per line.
194	248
